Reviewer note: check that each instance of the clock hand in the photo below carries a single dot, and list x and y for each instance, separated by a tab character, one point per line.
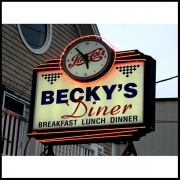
80	52
85	57
86	61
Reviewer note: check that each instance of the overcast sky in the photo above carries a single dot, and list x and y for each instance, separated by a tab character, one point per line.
160	41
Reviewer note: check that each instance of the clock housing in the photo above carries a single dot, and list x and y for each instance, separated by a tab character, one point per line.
100	60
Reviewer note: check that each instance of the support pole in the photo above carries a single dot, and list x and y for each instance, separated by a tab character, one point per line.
129	149
44	151
50	151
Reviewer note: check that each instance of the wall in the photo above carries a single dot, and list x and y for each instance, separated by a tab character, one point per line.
164	140
18	62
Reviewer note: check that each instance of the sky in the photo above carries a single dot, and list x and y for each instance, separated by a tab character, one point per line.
160	41
150	27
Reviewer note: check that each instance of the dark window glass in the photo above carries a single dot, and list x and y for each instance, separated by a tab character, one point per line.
13	105
34	34
27	111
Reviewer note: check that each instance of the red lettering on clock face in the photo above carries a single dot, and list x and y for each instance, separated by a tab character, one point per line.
94	56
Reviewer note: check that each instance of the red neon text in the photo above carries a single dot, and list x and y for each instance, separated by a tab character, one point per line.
100	110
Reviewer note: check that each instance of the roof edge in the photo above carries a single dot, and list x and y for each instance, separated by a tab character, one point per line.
87	29
166	99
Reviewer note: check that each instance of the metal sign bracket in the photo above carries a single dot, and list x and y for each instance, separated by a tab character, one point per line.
130	149
50	151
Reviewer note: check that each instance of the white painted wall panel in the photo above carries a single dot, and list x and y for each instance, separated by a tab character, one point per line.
174	139
164	140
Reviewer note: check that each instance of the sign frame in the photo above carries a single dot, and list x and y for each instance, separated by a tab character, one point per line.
147	126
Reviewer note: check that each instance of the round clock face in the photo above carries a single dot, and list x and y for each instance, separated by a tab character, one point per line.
87	60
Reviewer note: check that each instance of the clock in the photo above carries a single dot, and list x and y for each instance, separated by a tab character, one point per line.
87	59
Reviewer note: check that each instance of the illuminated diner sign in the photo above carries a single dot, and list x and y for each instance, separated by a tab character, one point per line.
91	85
114	99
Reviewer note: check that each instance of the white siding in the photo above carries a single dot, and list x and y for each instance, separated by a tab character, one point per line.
15	140
164	140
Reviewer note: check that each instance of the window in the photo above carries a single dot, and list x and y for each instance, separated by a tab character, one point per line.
34	34
13	105
16	104
36	37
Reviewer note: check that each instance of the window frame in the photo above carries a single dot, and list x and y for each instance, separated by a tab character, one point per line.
25	103
46	43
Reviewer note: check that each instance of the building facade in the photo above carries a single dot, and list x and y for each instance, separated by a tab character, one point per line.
27	46
24	47
164	140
